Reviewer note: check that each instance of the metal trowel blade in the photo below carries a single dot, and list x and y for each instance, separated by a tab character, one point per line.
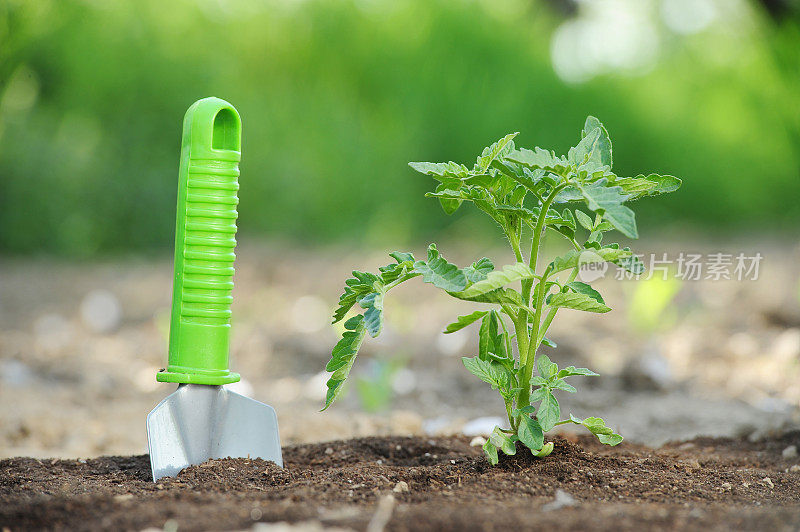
198	422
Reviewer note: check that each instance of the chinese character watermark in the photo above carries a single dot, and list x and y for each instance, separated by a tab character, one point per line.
684	266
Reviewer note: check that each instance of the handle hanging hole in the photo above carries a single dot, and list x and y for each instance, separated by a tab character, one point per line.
226	131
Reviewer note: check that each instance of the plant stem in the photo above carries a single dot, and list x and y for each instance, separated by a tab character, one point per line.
400	280
552	313
528	357
521	329
537	236
513	238
524	398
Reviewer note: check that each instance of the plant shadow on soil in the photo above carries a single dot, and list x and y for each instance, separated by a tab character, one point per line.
415	483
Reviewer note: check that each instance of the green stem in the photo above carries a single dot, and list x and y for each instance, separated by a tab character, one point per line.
552	313
400	280
511	420
521	329
537	236
513	238
533	345
529	357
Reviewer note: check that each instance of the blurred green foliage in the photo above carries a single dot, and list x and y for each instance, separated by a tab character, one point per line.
337	95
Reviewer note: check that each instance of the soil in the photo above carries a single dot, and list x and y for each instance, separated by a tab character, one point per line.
404	483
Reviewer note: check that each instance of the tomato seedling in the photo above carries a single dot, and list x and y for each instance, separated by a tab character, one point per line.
519	189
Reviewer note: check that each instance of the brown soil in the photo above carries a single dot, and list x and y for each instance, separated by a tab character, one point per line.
710	484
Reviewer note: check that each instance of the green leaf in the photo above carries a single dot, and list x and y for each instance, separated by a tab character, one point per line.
539	393
441	170
569	194
630	262
490	451
610	439
449	205
504	296
518	195
485	339
489	372
648	185
346	302
548	342
501	440
516	210
530	179
482	180
560	384
598	427
583	288
574	258
545	450
464	321
440	273
583	152
539	158
392	272
343	355
355	288
530	433
577	301
525	410
602	153
549	412
584	220
402	256
635	187
478	270
546	367
608	200
373	317
498	149
498	279
492	339
572	370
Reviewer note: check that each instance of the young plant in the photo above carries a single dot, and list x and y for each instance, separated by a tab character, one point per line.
520	190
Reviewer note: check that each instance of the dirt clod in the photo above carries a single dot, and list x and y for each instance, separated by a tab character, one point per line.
790	452
401	487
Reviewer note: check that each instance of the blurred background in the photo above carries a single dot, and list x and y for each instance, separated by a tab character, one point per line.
336	96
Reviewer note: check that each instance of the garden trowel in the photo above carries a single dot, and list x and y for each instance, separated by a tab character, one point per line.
202	419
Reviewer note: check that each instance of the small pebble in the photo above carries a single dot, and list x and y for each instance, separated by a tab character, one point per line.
790	452
478	441
562	500
794	469
727	486
329	451
767	482
401	487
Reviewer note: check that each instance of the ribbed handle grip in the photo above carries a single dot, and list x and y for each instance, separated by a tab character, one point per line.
209	240
205	234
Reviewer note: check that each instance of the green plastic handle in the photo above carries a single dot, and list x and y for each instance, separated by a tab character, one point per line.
204	242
